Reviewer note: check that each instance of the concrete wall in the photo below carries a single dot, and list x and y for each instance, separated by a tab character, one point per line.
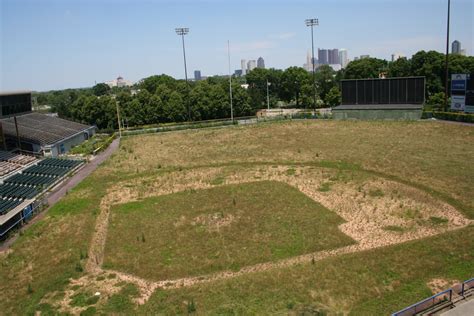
66	145
411	114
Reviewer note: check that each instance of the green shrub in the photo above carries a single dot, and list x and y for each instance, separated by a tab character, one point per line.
449	116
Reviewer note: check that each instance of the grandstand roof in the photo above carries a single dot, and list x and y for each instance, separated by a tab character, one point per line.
41	129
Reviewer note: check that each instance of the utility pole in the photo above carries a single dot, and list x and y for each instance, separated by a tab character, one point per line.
118	118
312	23
447	61
230	84
183	31
268	96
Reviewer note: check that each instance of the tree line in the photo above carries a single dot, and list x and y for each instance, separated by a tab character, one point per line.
163	99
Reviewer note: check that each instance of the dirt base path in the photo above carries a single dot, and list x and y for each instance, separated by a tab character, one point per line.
62	190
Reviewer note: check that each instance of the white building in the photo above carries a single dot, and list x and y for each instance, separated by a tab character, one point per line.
243	66
343	58
119	82
251	65
308	66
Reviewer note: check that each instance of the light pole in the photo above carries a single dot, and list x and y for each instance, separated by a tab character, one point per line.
268	96
230	84
183	31
447	61
118	119
312	23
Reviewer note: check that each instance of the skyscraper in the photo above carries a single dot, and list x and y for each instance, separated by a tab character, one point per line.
323	56
396	56
343	59
251	65
456	47
333	56
197	75
260	63
243	66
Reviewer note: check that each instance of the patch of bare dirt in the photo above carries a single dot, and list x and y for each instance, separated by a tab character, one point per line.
439	285
215	221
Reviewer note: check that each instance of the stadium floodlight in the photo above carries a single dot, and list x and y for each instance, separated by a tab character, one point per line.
183	31
312	23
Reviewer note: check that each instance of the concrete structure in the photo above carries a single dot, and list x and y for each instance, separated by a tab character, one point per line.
260	63
43	134
238	73
343	58
197	75
456	47
36	132
243	66
251	65
378	112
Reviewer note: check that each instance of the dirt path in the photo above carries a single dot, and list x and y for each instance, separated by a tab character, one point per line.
62	190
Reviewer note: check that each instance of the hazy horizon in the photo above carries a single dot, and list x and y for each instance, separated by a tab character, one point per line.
52	44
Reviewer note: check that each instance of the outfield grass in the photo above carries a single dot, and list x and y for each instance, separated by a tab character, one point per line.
434	154
203	231
374	282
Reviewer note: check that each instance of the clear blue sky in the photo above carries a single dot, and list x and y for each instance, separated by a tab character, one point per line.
55	44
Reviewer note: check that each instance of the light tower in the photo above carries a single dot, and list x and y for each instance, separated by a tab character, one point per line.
183	31
312	23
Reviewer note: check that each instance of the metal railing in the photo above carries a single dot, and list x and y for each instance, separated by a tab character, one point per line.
461	289
445	296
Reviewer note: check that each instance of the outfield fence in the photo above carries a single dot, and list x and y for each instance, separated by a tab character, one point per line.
167	127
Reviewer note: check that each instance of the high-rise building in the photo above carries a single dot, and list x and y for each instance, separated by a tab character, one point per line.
260	62
364	56
323	56
396	56
238	73
333	56
243	66
197	75
463	52
456	47
251	65
307	65
343	59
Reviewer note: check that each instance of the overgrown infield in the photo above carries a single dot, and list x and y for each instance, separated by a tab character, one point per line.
293	218
197	232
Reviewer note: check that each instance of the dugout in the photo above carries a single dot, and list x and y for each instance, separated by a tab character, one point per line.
381	99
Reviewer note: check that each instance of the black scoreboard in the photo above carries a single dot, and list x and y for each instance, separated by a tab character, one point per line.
407	90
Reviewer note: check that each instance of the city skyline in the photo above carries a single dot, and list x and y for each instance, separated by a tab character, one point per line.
73	44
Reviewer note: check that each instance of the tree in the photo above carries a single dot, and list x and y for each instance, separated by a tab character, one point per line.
325	80
100	89
333	97
400	68
364	68
292	81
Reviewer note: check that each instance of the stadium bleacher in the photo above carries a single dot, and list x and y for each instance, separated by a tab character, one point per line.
31	181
